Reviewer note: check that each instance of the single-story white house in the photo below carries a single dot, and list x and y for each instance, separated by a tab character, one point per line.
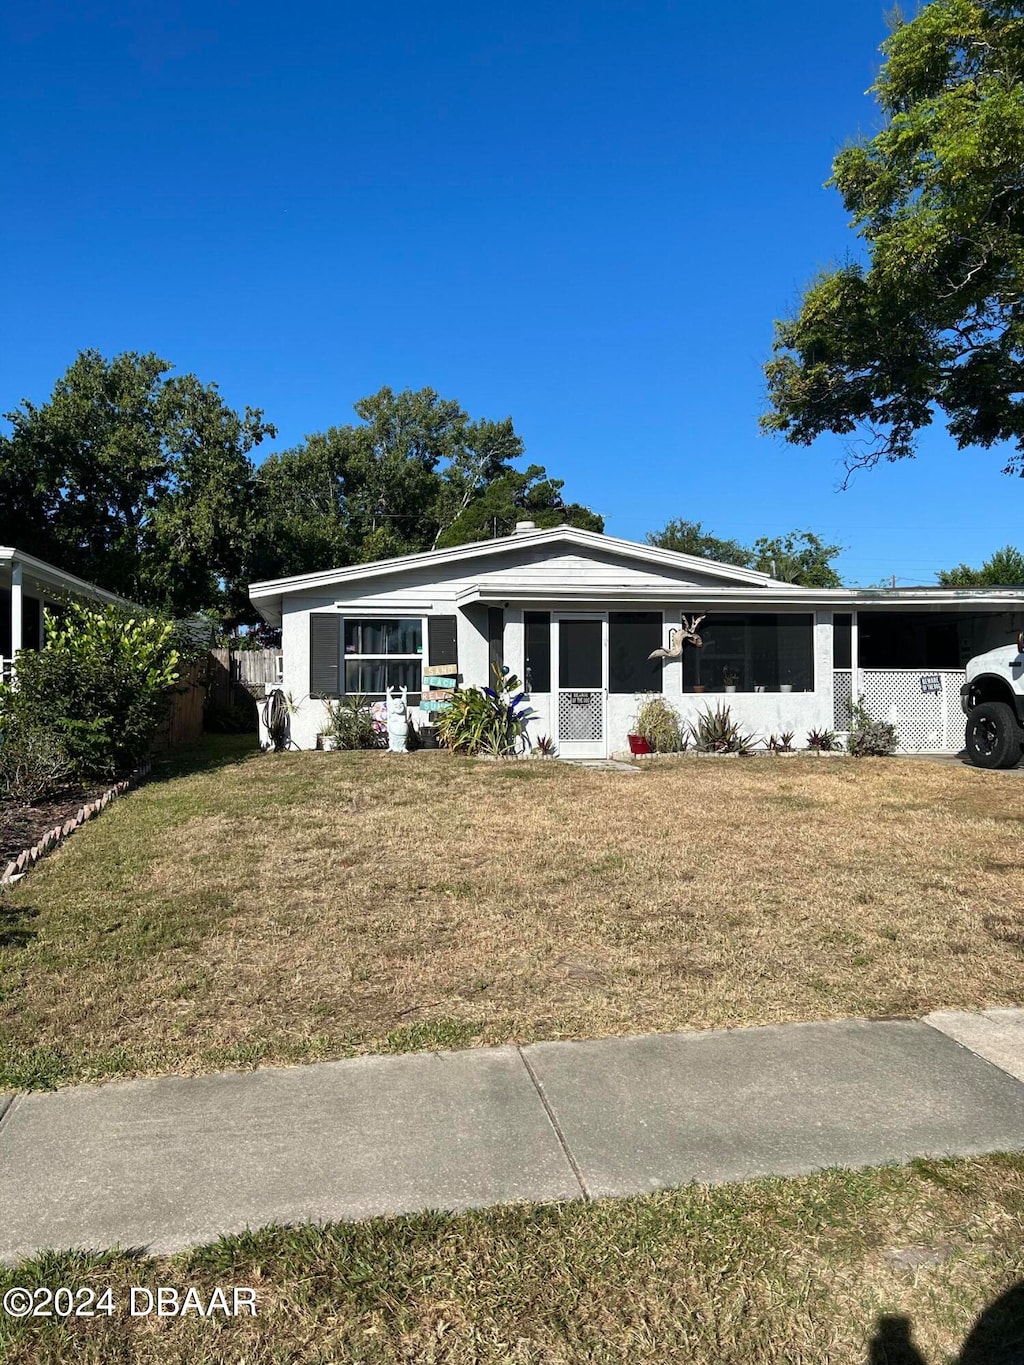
27	587
576	614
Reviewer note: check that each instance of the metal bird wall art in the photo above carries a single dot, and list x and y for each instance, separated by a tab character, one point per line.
686	635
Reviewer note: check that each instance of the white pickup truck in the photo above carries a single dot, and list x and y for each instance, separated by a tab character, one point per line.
993	702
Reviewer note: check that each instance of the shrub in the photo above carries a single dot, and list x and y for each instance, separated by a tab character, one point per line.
350	724
780	744
823	740
659	723
487	720
102	683
870	738
715	732
34	763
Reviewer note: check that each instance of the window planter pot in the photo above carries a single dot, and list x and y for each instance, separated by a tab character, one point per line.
698	687
730	687
785	687
638	745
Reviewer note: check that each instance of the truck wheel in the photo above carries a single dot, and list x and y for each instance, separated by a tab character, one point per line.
993	737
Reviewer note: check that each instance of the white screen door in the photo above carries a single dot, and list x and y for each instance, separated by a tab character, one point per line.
580	658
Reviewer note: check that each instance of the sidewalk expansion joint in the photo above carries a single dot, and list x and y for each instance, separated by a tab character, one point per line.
577	1173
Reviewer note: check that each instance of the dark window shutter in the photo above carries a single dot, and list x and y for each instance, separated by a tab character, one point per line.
324	654
442	641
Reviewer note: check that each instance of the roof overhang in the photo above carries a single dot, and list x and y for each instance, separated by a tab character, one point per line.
765	598
42	577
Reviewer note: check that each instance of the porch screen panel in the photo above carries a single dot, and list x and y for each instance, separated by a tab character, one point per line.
538	650
842	639
752	650
324	654
631	637
442	641
496	637
579	654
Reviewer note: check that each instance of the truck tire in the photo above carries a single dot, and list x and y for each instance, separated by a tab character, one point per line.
993	738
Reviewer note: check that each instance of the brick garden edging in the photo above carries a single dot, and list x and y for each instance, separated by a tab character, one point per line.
53	838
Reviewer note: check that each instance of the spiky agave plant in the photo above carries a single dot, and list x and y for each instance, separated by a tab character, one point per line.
716	732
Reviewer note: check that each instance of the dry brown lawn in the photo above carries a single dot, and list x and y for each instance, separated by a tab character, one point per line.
303	906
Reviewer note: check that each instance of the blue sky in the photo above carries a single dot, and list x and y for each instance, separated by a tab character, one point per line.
582	215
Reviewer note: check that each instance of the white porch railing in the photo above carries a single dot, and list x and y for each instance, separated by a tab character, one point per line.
923	704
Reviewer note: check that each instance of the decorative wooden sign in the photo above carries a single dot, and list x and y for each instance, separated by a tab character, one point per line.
438	682
434	704
451	670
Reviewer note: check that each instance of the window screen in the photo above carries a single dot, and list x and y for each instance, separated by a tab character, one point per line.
538	651
766	650
495	637
842	640
631	637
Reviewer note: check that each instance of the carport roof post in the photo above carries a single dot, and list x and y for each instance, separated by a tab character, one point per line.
17	613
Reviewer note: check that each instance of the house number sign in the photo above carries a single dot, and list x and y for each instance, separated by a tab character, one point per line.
931	682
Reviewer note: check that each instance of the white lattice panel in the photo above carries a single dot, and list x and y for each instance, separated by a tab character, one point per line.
581	717
926	722
842	694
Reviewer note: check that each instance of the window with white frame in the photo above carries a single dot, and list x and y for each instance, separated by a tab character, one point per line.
383	653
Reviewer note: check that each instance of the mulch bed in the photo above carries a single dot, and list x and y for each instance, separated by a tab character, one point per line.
23	826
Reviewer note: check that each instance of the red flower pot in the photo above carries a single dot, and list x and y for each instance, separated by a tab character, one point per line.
638	745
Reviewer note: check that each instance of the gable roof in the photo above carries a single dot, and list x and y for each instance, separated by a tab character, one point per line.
264	593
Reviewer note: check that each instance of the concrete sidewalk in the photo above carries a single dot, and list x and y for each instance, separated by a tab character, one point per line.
168	1163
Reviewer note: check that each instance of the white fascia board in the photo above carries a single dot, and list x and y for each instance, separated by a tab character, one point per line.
772	594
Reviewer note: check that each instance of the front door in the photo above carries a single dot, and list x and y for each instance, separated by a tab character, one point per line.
581	686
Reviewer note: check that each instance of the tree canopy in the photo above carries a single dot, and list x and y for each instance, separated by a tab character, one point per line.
416	474
1005	569
799	557
934	321
132	478
142	482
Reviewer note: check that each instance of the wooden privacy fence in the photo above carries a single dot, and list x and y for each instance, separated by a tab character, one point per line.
184	723
238	680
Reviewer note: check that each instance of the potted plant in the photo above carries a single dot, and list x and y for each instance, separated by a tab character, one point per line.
730	678
658	727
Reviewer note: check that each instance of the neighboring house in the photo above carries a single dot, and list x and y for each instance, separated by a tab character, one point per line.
27	586
576	614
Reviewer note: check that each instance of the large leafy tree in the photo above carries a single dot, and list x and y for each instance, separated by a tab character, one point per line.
134	478
414	474
799	557
933	322
1005	569
690	538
